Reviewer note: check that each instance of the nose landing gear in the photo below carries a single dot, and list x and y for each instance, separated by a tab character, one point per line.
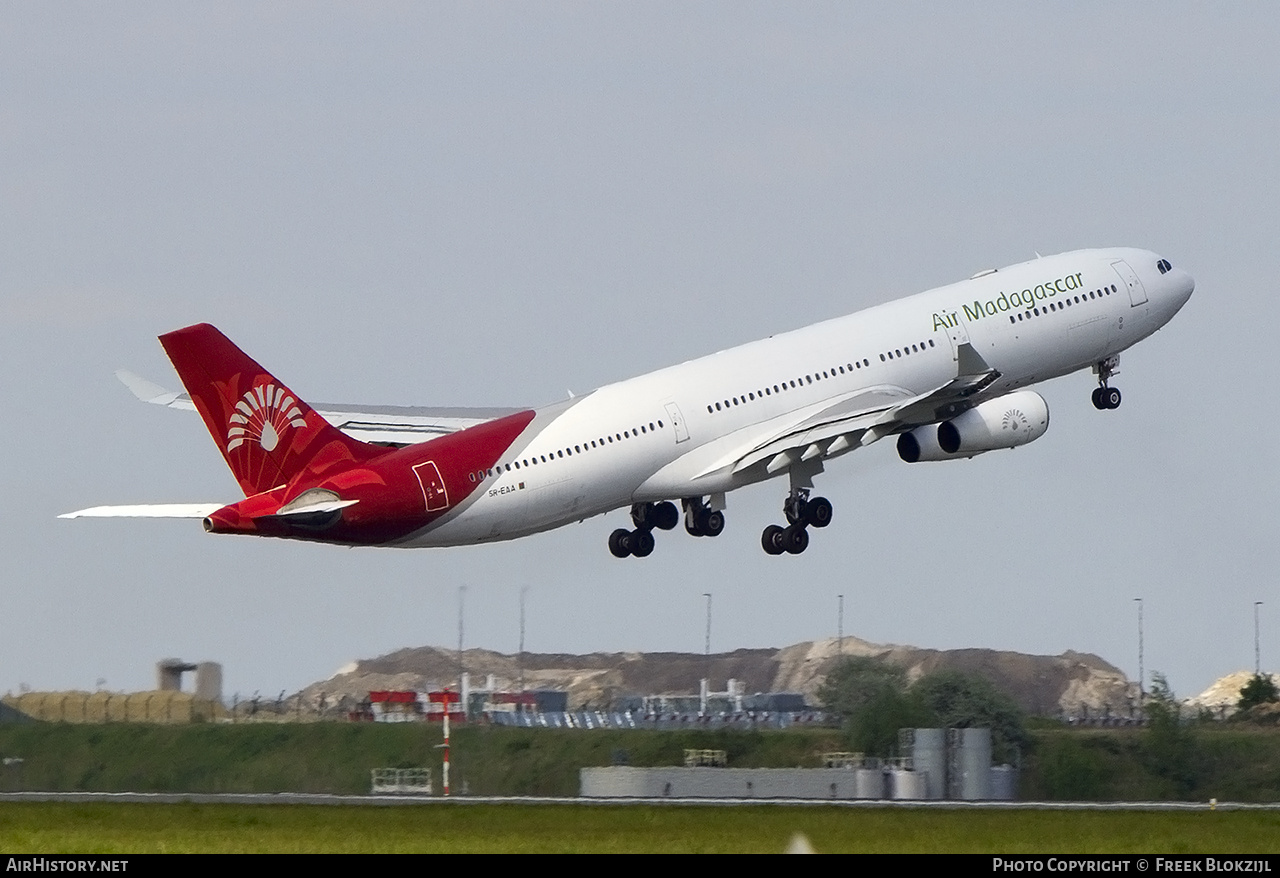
1104	396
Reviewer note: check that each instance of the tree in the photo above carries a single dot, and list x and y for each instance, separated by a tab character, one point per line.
1261	689
1171	745
855	682
959	700
871	700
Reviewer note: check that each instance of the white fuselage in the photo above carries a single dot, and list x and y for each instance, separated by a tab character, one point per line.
676	432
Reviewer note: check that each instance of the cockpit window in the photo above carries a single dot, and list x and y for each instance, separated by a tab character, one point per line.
1164	265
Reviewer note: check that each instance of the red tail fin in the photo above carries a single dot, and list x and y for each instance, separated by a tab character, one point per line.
265	432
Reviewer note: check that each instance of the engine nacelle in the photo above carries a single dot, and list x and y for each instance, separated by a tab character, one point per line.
921	444
1005	422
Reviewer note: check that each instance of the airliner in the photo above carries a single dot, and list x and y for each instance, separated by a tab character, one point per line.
944	372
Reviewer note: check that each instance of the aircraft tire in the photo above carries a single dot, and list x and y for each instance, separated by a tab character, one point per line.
620	543
1111	397
771	540
818	514
642	543
665	515
795	539
712	523
1097	399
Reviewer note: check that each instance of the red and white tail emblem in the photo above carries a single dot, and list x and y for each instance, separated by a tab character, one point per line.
263	413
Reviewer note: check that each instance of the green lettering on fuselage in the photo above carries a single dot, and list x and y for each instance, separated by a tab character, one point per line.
1024	300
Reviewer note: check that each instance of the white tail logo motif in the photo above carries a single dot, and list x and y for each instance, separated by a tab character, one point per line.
263	413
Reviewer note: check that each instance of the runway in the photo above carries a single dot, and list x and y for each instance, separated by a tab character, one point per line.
400	801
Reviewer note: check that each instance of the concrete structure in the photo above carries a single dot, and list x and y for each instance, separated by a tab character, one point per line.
939	764
927	749
208	677
969	764
623	781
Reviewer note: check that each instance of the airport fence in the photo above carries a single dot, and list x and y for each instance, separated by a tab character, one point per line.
172	707
169	707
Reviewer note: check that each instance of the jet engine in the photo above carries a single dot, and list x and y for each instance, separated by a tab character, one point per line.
1005	422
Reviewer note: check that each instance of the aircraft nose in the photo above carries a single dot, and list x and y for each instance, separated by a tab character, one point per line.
1183	285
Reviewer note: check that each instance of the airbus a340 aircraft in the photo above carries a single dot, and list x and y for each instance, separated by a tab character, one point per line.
943	371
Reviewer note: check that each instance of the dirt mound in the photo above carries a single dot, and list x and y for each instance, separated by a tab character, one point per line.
1045	685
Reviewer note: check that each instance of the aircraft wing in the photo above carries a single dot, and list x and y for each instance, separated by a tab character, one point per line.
867	416
381	425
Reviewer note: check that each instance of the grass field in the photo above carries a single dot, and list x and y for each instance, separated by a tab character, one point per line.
552	828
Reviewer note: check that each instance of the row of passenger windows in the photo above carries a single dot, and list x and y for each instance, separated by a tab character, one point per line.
791	384
481	475
1063	305
905	351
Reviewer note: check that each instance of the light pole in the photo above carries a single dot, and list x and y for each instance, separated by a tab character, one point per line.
462	596
1257	650
707	645
1142	692
524	590
840	626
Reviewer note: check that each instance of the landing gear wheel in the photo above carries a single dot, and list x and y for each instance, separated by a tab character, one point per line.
620	543
665	515
818	513
795	539
1097	399
712	523
1110	397
642	543
771	540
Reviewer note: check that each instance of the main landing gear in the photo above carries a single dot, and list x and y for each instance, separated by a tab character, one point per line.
801	513
1104	396
646	517
700	520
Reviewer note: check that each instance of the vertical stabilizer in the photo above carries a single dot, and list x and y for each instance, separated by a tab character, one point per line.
265	432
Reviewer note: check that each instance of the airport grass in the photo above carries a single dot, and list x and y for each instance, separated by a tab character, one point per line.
1230	763
337	757
458	827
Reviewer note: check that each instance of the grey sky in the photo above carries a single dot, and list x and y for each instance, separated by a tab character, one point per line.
491	204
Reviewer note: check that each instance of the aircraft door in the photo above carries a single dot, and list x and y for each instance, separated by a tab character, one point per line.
434	494
1129	277
677	422
959	335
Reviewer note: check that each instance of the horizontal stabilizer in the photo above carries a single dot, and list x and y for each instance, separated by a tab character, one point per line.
151	510
149	391
382	424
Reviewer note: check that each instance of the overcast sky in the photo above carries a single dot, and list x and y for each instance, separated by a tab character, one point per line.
496	203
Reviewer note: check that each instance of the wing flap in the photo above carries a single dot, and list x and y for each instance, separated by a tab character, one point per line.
868	416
